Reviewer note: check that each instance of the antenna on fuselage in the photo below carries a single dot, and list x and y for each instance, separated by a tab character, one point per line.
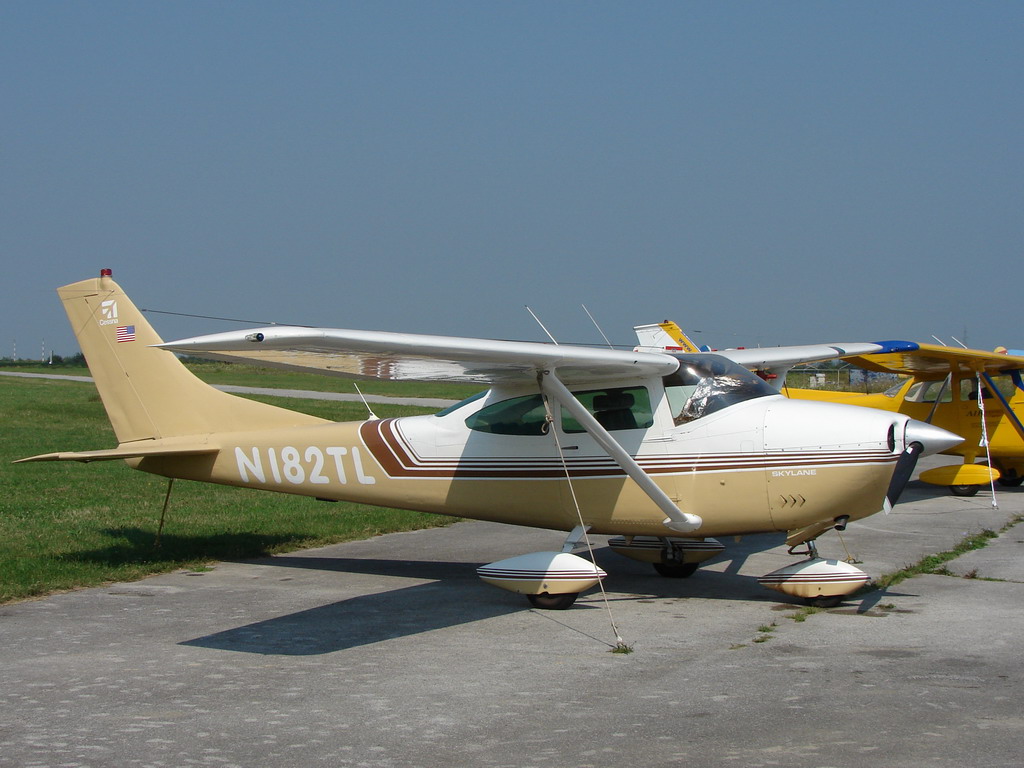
597	326
534	315
369	410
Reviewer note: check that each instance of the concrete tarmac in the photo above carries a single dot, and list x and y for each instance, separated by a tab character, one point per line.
390	652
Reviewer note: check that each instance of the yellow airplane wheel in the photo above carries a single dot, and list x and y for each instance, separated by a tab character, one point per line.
1010	479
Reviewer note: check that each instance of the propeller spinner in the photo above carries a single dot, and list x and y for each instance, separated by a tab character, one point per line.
920	439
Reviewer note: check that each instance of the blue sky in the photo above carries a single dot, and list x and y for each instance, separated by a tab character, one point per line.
763	173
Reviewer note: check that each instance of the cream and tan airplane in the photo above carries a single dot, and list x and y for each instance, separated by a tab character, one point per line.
661	451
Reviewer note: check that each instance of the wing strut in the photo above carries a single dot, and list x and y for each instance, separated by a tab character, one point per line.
1006	405
677	520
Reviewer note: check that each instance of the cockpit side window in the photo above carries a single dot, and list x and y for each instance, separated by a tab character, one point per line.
969	388
614	408
929	392
895	388
519	416
708	383
458	405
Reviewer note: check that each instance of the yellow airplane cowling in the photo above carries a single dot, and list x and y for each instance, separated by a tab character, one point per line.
960	474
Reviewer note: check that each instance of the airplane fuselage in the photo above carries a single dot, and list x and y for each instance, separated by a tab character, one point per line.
756	465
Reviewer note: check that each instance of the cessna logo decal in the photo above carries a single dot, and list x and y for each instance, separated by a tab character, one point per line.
108	312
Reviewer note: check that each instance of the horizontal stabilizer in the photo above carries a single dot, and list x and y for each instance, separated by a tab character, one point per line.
125	452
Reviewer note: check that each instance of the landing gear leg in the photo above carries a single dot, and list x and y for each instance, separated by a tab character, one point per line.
819	601
811	552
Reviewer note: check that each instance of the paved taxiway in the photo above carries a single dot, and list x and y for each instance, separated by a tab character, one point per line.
390	652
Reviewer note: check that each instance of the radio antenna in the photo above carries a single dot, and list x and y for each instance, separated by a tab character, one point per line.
597	326
369	410
534	315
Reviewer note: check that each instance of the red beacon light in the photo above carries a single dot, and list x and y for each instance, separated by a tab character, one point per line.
106	272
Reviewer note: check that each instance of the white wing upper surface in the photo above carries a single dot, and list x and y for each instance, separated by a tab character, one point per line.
406	356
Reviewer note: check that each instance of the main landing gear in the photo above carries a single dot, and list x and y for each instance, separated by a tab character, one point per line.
672	571
673	558
550	580
553	580
553	602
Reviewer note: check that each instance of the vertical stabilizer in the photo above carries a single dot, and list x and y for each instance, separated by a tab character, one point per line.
147	392
664	335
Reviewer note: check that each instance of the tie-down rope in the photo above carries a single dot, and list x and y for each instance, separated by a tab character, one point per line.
550	418
984	441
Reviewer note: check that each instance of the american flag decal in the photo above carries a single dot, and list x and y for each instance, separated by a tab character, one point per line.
125	333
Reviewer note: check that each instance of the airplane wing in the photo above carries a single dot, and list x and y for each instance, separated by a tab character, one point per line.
406	356
772	358
772	363
668	335
420	357
936	362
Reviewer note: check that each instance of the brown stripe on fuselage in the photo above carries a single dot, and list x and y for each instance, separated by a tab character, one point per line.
399	459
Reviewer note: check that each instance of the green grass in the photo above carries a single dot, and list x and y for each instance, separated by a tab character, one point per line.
65	525
934	564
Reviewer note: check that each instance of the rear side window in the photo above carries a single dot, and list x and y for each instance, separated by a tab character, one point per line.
518	416
614	408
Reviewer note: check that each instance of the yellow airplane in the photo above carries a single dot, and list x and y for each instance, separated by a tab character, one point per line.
941	387
661	451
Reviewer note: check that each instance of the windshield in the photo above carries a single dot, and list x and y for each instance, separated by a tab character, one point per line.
708	383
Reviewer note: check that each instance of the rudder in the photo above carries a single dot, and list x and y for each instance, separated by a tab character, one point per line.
148	394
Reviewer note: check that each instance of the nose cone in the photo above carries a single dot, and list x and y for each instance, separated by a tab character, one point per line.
933	439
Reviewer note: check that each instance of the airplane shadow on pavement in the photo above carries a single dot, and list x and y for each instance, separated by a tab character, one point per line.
454	596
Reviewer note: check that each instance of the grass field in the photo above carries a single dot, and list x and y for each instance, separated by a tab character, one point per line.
65	525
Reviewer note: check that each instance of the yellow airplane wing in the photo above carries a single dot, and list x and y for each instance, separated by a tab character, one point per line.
931	361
